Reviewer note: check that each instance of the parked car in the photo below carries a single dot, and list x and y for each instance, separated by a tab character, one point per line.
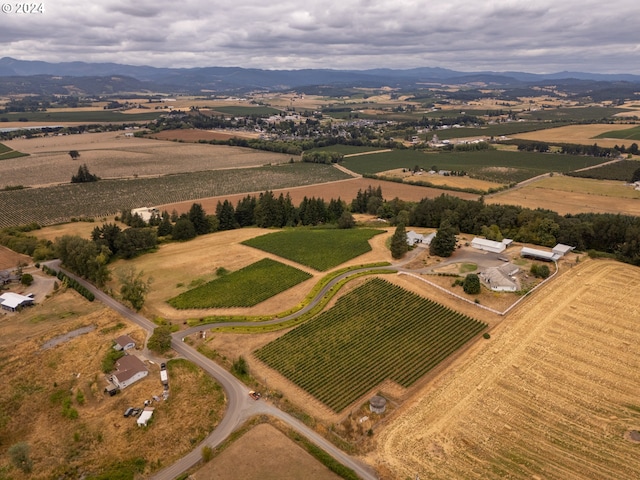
255	395
129	411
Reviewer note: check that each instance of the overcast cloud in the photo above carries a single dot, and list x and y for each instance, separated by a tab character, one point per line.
538	36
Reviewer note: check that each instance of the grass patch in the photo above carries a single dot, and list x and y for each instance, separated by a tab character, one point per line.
7	153
378	331
622	171
627	134
468	267
244	288
318	248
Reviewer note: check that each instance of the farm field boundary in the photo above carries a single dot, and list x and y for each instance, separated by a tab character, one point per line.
375	332
628	134
318	248
243	288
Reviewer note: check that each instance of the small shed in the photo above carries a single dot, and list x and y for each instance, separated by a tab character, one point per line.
561	249
124	342
377	404
145	416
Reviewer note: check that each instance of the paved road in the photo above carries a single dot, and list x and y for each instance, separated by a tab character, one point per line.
240	407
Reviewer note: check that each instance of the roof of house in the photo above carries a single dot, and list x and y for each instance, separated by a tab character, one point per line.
14	300
497	278
128	366
124	340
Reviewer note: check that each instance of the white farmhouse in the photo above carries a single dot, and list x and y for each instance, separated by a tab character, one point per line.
130	369
13	301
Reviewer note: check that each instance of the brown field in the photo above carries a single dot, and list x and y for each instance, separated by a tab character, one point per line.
573	195
582	134
194	135
81	229
10	259
441	180
112	155
345	189
264	453
100	435
551	395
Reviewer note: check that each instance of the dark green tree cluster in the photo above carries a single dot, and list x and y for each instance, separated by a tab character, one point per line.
83	175
399	244
444	243
367	201
540	271
125	243
471	284
84	257
323	156
134	287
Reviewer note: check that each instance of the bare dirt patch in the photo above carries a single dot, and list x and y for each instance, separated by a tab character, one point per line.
345	189
547	396
264	453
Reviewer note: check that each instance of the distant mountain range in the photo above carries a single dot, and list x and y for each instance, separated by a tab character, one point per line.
20	76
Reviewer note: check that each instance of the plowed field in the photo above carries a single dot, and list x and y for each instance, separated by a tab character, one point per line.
550	395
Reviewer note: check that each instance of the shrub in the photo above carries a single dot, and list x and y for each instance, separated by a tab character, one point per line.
26	279
471	284
486	335
19	454
540	271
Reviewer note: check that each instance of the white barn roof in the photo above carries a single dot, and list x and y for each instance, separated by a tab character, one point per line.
541	254
562	249
11	301
488	245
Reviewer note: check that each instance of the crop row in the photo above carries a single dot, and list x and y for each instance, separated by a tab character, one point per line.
318	248
60	203
243	288
378	331
493	165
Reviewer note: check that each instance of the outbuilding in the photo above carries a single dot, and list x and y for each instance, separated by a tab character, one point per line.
124	342
537	254
377	404
13	301
490	245
561	249
145	416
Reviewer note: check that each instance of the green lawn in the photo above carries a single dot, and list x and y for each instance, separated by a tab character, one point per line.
318	248
7	153
243	288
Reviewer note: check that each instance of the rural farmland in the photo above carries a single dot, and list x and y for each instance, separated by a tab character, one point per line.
376	332
550	395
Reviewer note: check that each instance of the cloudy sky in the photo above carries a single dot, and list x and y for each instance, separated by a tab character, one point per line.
538	36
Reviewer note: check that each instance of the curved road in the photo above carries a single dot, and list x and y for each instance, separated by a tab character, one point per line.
240	406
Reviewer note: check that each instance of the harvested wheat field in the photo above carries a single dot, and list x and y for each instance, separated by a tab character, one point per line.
551	395
195	135
10	259
581	134
113	155
441	180
573	195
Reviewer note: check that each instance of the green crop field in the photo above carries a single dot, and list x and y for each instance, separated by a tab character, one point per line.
243	288
7	153
622	170
59	204
318	248
99	116
628	134
495	130
376	332
246	111
498	166
576	114
345	149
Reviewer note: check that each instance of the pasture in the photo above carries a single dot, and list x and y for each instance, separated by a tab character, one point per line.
113	155
622	171
58	204
495	130
378	331
441	180
498	166
573	114
7	153
573	195
319	248
244	111
243	288
550	395
83	116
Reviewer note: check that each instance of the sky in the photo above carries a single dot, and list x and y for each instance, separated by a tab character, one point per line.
537	36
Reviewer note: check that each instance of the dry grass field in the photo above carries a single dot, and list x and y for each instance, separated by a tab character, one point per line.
194	135
37	380
112	155
551	395
582	134
573	195
441	180
264	453
10	259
